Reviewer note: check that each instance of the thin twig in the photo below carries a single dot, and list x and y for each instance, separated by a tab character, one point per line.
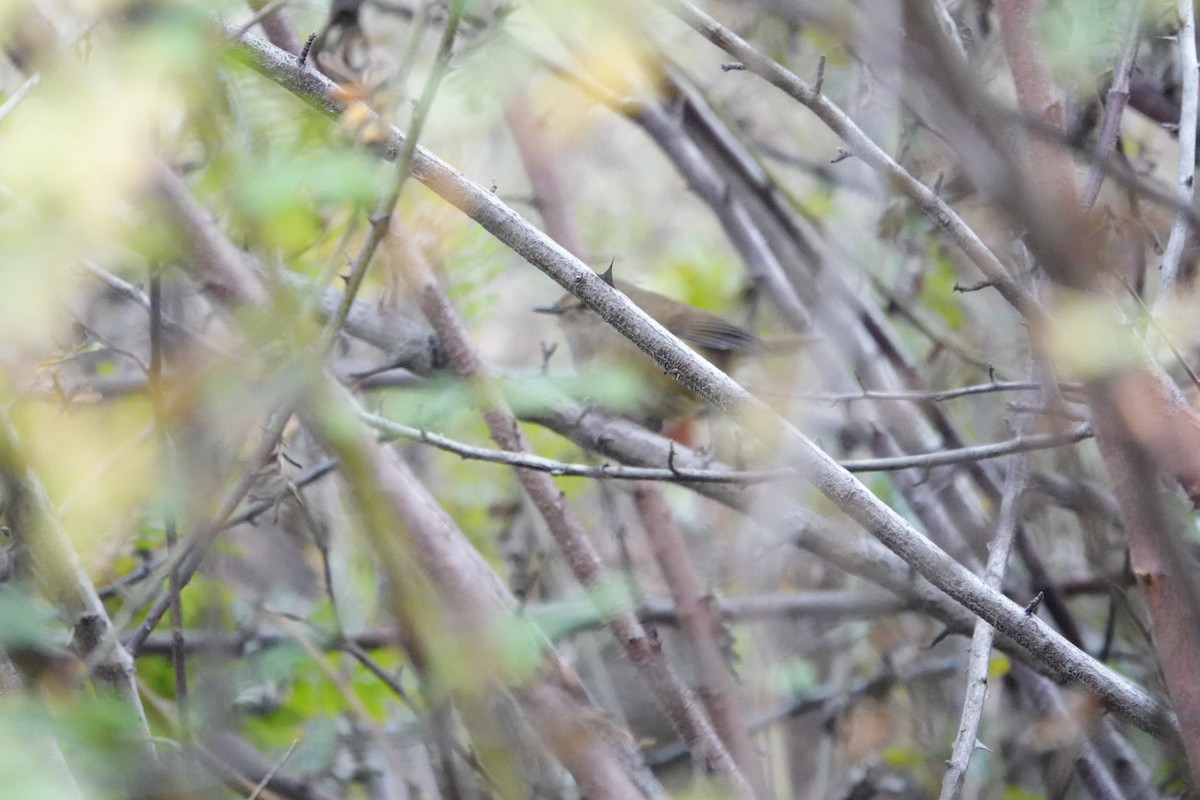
1186	39
936	395
700	624
16	97
862	146
188	558
979	655
33	80
278	765
1019	444
258	16
1114	108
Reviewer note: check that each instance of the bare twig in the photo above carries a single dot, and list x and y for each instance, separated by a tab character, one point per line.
136	295
273	771
1190	87
938	395
262	12
862	146
700	623
16	97
33	80
1019	444
827	605
279	30
188	558
979	656
1114	108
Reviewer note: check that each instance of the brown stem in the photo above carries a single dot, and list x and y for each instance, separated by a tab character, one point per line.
701	624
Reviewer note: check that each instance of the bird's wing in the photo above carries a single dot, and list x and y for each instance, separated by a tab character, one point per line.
714	333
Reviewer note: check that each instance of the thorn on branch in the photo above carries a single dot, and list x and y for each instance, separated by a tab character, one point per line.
312	37
974	287
820	75
1032	608
937	639
731	66
671	460
842	155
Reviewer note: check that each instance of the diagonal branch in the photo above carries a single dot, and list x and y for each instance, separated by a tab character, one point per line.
864	148
1114	108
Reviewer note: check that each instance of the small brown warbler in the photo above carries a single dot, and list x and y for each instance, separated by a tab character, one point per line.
596	345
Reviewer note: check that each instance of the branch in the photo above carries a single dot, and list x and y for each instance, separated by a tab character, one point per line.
1114	108
279	31
32	516
979	655
1190	81
1020	444
826	605
700	623
862	146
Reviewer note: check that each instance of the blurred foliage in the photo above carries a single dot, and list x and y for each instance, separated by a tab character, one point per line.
123	87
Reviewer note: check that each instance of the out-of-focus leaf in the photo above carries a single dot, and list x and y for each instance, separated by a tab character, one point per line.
1080	37
998	666
793	676
937	289
1087	341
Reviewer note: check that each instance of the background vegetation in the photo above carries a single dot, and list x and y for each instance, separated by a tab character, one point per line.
302	500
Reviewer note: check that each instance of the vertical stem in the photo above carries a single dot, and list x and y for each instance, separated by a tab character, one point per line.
1187	152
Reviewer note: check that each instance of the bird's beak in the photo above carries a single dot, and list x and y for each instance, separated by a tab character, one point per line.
554	309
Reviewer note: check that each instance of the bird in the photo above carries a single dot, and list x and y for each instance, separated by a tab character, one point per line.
597	347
